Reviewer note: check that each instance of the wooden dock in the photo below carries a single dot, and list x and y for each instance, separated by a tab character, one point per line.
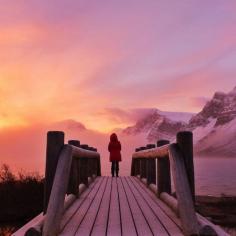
79	201
119	206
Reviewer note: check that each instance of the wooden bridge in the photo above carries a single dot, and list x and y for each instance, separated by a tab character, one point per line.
157	199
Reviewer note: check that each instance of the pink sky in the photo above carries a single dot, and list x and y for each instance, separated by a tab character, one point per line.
81	60
98	61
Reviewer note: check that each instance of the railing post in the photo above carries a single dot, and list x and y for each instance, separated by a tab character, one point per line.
73	185
55	143
151	167
143	164
134	165
90	164
83	167
94	164
137	166
163	172
185	143
132	173
98	164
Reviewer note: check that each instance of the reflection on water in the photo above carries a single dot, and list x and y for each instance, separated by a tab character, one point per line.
215	176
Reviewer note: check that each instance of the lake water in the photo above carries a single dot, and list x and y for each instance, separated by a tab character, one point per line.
213	176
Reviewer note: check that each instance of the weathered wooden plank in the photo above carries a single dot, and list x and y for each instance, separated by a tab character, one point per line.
160	204
154	222
127	222
55	208
139	220
100	225
170	201
153	203
114	224
185	203
81	152
75	207
158	152
77	218
86	225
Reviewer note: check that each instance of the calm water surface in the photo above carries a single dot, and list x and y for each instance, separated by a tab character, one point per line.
213	176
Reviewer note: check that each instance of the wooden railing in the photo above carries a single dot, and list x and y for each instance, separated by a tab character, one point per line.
69	170
174	159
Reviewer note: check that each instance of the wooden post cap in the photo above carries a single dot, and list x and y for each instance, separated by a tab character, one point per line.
149	146
90	148
55	132
84	146
55	137
74	142
162	142
94	149
188	134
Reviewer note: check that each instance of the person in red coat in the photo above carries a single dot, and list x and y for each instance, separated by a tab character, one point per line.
114	148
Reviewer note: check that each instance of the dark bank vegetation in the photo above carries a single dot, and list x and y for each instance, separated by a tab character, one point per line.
220	210
21	195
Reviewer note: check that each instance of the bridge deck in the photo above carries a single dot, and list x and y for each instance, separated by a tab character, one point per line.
119	206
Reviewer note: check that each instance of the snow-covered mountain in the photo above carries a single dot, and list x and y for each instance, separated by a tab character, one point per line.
159	125
221	107
214	127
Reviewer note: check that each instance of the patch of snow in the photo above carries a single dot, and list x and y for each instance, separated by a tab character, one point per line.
177	116
202	131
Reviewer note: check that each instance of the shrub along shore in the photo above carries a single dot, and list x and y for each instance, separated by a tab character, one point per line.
21	196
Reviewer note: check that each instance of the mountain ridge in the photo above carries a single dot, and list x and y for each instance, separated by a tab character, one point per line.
214	127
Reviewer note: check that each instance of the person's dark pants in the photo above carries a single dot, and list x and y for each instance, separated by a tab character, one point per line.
115	167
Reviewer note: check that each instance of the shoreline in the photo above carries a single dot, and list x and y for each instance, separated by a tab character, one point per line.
220	210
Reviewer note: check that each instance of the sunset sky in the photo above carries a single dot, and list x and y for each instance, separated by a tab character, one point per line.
98	61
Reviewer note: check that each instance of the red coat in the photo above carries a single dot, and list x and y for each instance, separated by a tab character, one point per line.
114	148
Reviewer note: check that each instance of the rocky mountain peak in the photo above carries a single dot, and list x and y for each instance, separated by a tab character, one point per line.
221	107
155	126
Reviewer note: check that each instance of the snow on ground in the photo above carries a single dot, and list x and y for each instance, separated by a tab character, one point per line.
219	140
177	116
203	131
